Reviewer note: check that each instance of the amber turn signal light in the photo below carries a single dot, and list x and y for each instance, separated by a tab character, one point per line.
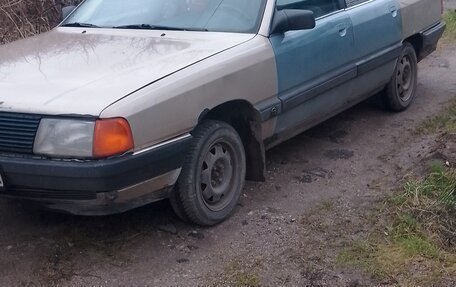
112	137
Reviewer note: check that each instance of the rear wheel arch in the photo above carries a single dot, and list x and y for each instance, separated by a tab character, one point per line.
401	89
417	42
246	120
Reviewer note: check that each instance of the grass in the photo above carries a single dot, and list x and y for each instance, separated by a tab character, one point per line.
450	20
238	274
436	192
364	255
414	249
327	206
444	122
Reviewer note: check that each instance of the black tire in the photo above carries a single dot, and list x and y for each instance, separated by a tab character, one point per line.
177	207
401	90
212	176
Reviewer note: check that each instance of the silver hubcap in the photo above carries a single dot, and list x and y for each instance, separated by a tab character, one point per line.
216	181
405	78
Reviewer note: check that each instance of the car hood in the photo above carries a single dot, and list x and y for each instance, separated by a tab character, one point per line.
76	71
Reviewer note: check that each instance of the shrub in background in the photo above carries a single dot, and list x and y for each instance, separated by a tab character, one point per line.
23	18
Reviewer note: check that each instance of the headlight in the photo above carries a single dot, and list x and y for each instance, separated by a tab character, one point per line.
64	138
67	138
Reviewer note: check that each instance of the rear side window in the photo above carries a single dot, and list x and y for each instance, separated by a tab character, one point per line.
319	7
351	3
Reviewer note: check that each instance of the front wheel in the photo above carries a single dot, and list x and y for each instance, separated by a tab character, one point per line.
401	90
212	177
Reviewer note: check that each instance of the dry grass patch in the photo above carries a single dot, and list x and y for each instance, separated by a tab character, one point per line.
418	248
239	274
444	122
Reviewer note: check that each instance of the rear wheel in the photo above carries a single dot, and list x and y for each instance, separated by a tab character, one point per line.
401	90
212	176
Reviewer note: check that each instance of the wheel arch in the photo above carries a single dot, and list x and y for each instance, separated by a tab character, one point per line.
416	41
246	120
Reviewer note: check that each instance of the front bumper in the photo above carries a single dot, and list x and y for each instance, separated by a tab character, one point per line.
430	39
97	187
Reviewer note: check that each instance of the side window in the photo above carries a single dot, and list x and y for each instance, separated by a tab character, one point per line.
319	7
351	3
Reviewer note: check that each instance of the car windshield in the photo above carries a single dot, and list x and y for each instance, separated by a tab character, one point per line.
241	16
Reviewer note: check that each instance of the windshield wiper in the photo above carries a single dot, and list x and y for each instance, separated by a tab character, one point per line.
77	24
157	27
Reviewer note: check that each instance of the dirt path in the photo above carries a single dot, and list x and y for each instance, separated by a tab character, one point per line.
287	231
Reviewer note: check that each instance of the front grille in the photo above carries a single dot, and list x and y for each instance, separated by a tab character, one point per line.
17	132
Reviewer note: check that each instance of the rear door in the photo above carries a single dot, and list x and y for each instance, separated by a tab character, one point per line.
377	29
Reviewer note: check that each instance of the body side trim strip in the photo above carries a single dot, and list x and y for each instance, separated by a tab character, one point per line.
174	140
269	108
378	59
320	85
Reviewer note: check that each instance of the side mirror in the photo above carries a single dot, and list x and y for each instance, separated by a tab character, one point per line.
292	20
67	11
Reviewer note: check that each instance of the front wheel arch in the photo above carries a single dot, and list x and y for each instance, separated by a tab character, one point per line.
246	120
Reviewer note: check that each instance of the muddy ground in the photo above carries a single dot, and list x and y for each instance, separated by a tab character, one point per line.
321	192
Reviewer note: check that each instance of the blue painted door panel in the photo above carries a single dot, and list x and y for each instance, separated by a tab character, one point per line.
377	26
349	55
307	59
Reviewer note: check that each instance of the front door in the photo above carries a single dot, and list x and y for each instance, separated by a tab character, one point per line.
312	62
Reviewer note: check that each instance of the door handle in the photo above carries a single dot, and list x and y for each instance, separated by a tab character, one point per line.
342	29
393	10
